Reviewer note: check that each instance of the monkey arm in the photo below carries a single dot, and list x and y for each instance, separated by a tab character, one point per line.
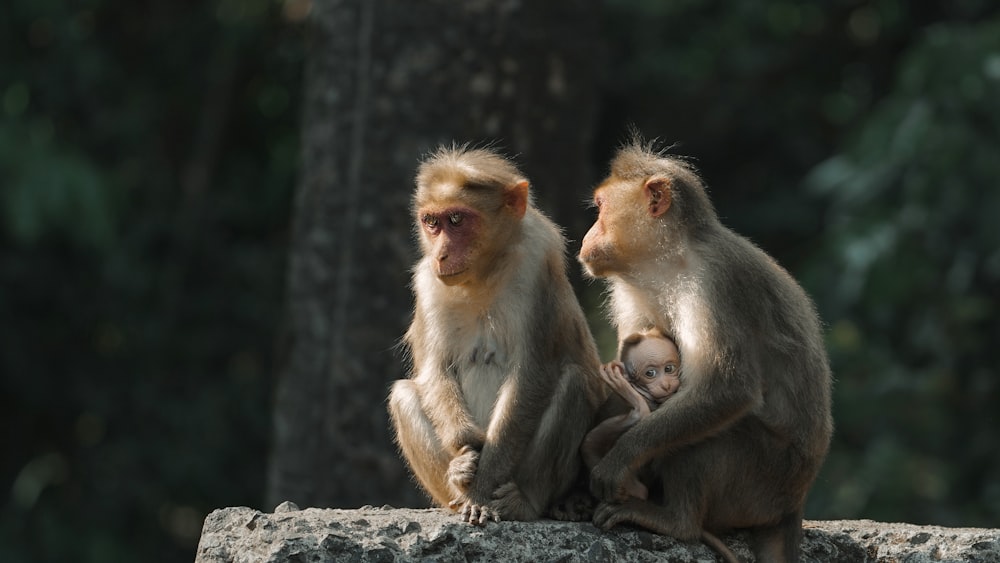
613	374
446	409
603	436
706	404
440	393
508	433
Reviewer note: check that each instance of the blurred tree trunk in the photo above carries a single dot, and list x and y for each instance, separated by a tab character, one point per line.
386	81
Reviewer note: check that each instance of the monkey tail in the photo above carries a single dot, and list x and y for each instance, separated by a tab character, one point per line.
781	541
713	541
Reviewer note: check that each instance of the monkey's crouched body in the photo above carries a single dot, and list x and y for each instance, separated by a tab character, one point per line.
504	381
741	441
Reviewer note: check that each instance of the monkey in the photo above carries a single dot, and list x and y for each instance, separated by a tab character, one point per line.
743	439
645	375
504	378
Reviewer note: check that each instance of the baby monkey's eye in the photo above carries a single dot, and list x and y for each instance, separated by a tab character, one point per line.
650	373
669	368
455	218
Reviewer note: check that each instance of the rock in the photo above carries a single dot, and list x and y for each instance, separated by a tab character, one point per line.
243	535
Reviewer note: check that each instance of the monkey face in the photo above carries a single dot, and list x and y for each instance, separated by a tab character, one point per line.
450	235
604	245
653	368
626	210
463	230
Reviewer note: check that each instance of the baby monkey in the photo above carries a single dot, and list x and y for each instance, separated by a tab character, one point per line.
645	376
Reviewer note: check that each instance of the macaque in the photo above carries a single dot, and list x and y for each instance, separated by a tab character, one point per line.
504	381
741	441
645	375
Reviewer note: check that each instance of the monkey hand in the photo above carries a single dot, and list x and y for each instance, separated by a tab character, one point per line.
609	481
613	374
462	469
607	515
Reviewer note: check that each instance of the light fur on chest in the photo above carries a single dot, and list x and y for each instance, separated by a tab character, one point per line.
486	351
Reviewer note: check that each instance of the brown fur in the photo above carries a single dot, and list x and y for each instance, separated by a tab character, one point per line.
504	378
629	388
741	442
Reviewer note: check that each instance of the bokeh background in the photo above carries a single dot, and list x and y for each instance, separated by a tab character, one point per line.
151	152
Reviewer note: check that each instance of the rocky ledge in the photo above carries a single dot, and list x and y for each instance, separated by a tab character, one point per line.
388	534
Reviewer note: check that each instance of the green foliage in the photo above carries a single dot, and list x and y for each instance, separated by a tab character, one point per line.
49	192
147	154
914	240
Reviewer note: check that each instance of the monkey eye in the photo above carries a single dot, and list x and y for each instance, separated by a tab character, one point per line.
455	218
669	368
650	373
430	221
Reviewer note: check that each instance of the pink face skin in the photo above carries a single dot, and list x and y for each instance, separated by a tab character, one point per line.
451	233
653	366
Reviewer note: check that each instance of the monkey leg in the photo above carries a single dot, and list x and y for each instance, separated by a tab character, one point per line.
745	477
419	442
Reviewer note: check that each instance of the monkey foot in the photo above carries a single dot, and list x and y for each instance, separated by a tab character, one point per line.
577	506
475	514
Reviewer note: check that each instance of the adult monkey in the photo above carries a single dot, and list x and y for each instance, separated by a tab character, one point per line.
740	443
504	381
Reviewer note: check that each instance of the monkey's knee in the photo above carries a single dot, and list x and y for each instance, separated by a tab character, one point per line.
406	411
403	398
413	428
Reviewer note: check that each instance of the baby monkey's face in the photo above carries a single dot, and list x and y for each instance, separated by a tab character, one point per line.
653	366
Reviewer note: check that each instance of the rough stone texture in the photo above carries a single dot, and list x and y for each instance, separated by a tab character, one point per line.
388	534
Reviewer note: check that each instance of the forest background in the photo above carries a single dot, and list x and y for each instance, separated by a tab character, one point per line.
154	157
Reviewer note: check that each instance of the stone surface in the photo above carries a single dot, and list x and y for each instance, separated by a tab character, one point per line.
386	534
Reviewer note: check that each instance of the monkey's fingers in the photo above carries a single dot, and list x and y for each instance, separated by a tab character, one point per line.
604	516
608	515
478	514
606	375
620	385
488	514
608	487
614	378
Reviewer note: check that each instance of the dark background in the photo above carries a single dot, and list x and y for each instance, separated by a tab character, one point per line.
149	153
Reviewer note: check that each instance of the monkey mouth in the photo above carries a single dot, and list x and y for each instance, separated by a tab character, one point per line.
450	278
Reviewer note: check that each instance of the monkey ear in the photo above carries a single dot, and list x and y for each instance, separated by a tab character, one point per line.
515	198
658	194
